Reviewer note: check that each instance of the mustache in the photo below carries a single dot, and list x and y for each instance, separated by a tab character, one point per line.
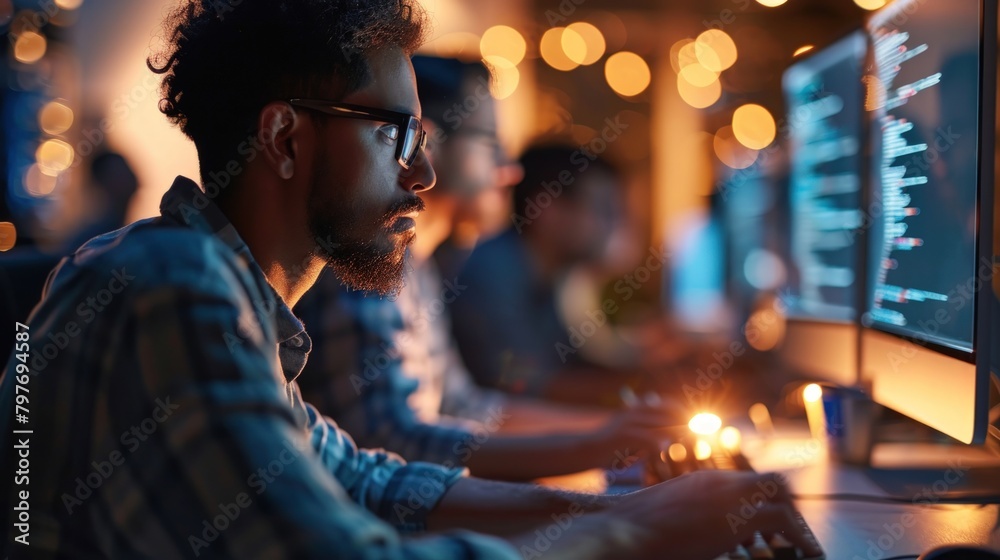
405	206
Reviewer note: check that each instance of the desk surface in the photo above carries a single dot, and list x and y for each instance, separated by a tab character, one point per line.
854	530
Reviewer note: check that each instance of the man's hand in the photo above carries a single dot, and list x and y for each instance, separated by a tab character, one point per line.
708	513
639	429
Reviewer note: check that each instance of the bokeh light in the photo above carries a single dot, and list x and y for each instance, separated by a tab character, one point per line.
69	4
716	50
55	118
675	54
593	39
812	393
677	452
54	157
37	183
870	4
574	46
730	438
8	236
627	73
503	42
754	126
803	50
30	47
697	75
771	3
553	52
730	151
699	97
702	450
705	424
506	76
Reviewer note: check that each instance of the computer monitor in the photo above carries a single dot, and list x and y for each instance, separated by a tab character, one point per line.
824	99
931	94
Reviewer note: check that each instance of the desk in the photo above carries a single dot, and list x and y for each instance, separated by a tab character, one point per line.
851	530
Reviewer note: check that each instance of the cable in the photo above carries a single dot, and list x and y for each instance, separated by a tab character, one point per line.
966	500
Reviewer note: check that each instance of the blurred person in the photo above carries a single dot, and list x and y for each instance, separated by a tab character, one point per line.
507	323
387	371
175	400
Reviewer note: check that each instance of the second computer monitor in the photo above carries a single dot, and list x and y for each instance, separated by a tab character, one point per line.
825	99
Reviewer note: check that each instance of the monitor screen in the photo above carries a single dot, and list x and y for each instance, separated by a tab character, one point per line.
931	95
824	99
924	94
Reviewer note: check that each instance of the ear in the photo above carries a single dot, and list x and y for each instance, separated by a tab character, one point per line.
279	126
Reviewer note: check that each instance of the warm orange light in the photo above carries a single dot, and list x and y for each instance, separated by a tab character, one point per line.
506	76
754	126
716	50
627	73
870	4
761	418
802	50
699	97
677	452
697	75
702	450
812	393
679	57
771	3
730	151
30	47
730	438
705	424
574	46
8	236
593	40
504	42
69	4
54	157
39	184
55	118
553	52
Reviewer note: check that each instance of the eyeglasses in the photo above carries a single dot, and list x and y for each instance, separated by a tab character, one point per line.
414	136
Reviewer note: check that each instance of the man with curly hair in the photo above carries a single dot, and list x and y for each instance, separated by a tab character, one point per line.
166	421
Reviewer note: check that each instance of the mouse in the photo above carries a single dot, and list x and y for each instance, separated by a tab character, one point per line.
960	553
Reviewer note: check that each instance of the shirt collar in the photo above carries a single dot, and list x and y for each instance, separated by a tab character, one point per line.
185	204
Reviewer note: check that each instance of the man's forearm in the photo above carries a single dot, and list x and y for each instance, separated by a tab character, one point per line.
529	457
506	509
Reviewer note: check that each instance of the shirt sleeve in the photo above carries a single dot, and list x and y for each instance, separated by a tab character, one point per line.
233	450
368	391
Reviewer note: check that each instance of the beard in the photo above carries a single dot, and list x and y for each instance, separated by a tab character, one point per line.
375	263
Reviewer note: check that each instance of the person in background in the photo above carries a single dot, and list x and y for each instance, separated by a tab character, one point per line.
388	371
507	324
170	378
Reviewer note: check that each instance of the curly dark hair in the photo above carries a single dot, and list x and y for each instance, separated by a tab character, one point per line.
224	60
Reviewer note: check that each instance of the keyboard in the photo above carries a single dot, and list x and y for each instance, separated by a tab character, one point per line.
678	458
